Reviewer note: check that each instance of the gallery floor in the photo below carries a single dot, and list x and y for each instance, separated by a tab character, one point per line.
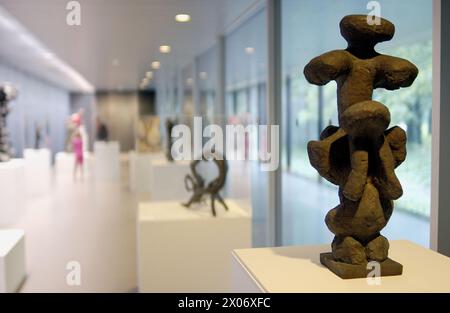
87	222
93	223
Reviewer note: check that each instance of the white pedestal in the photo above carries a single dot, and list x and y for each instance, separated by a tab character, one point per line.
37	171
140	169
12	259
12	191
65	162
298	269
107	160
183	250
167	180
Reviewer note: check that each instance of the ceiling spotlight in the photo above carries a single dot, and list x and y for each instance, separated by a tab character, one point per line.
149	75
203	75
156	65
116	62
164	49
250	50
182	18
143	84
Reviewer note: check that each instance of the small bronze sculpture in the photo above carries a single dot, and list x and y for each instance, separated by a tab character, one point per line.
7	94
196	183
37	136
361	154
170	124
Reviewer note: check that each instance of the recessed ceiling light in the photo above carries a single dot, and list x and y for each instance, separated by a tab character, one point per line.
164	49
249	50
156	65
203	75
183	18
115	62
149	75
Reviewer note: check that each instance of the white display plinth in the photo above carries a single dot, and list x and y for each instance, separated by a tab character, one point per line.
12	191
107	160
167	180
140	169
37	171
65	162
12	259
298	269
188	250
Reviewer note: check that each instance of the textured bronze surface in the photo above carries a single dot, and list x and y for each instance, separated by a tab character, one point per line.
360	154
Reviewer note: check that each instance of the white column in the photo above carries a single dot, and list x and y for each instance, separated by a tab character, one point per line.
274	112
440	170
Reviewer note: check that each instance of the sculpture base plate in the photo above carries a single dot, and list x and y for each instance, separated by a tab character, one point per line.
348	271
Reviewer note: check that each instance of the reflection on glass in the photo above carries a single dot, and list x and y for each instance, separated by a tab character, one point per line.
246	66
207	84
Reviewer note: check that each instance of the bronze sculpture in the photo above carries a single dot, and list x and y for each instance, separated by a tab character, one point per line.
37	136
361	154
7	94
196	183
170	124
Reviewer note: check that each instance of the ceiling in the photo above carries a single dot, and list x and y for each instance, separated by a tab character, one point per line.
118	39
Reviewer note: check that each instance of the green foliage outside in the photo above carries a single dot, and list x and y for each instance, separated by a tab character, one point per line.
410	109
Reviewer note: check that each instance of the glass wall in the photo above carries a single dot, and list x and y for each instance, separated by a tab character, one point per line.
246	69
188	106
207	77
310	28
245	54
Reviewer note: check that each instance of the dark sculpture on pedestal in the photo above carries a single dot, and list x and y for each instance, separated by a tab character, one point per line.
37	136
170	124
7	93
361	154
196	183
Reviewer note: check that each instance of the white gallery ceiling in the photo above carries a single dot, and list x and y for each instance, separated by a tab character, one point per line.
117	39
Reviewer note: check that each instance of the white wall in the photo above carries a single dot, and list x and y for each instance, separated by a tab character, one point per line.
38	102
119	111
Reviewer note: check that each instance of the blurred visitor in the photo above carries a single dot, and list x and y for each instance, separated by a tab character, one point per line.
102	131
77	147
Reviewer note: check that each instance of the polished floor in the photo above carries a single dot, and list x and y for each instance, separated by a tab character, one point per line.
91	223
94	224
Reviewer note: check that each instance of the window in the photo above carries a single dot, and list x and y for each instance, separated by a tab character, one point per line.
207	67
246	69
310	28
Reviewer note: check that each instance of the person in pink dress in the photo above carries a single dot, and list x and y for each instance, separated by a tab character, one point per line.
77	145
